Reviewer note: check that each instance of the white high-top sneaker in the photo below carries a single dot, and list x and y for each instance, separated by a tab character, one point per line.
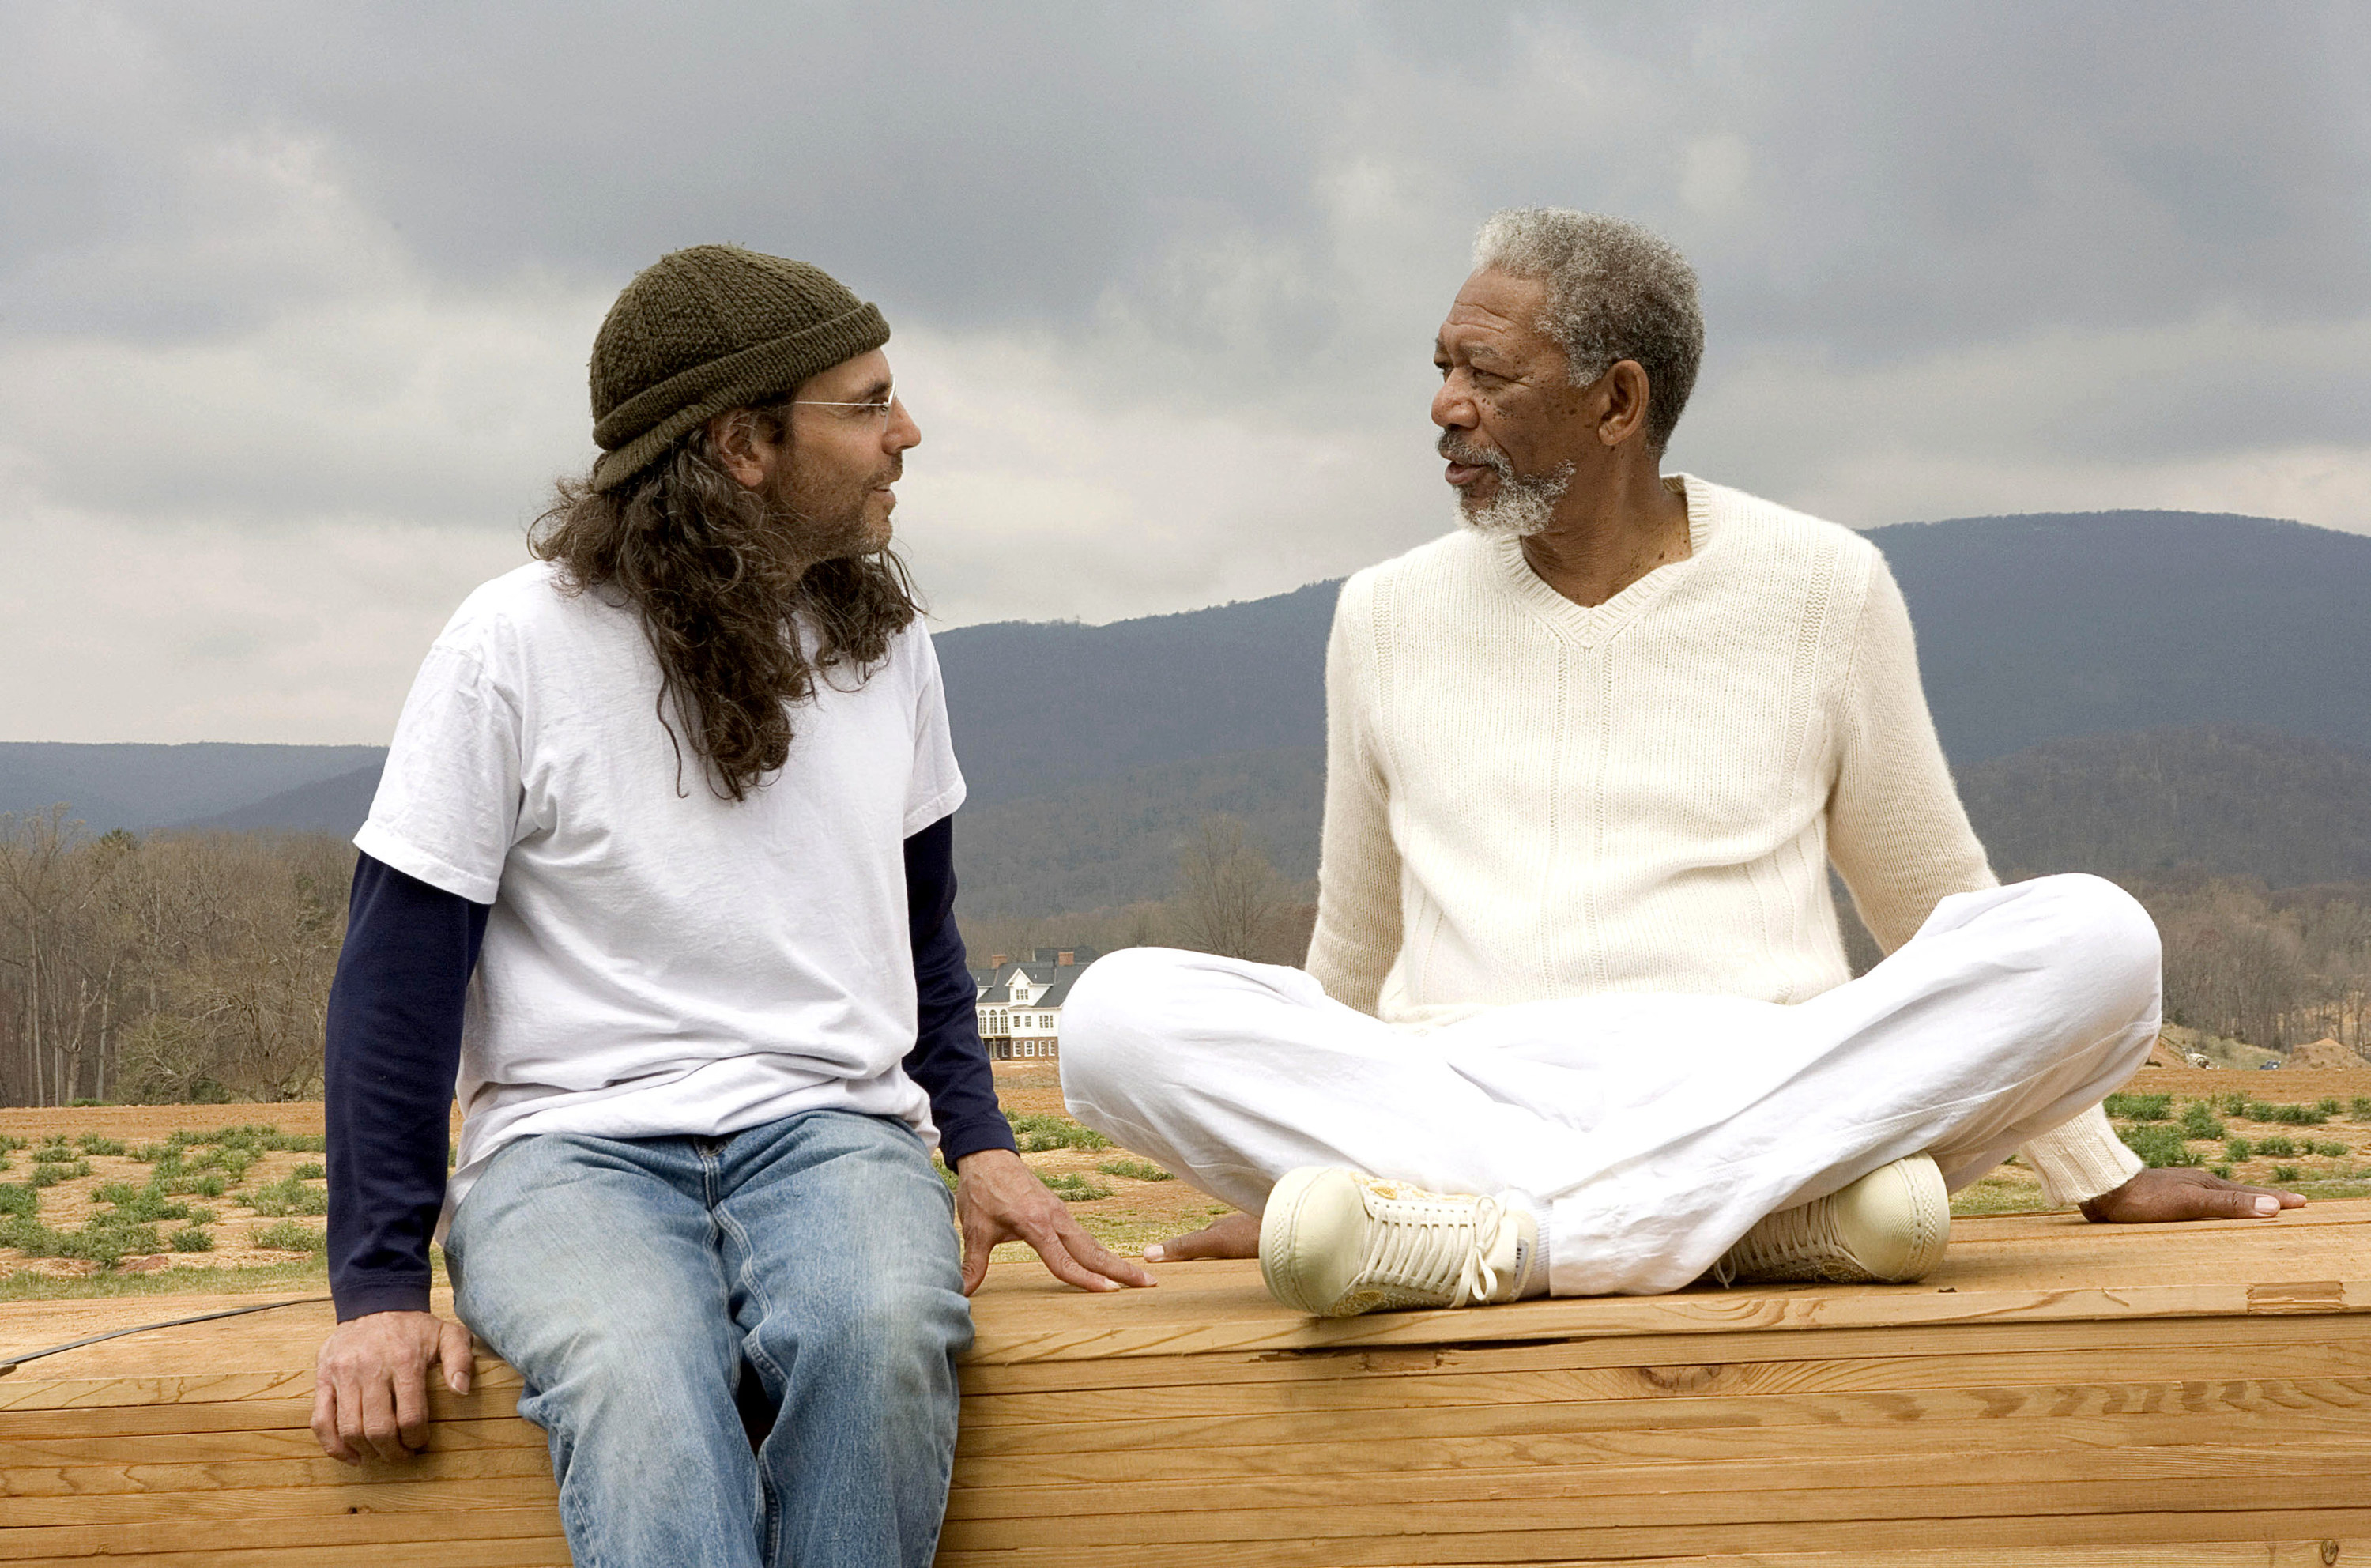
1335	1243
1892	1225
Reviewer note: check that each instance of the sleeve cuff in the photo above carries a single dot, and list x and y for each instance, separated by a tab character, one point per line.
2082	1159
972	1136
383	844
361	1299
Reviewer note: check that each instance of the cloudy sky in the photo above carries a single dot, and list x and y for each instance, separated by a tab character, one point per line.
295	299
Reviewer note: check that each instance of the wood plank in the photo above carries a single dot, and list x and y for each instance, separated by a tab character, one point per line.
428	1528
1639	1349
2148	1368
418	1492
1980	1482
236	1447
2175	1554
489	1396
1777	1417
1311	1512
1848	1541
1028	1468
1120	1328
163	1473
542	1552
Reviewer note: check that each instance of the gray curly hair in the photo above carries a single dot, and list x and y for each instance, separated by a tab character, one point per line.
1615	292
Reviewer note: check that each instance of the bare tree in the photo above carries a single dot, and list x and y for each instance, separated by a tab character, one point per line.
1229	897
182	966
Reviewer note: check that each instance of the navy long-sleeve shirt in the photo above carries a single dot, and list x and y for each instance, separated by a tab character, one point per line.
394	1049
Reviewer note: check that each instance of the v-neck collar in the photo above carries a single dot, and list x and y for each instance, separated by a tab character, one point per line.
1591	626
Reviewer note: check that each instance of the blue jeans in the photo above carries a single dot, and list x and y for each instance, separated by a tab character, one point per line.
634	1284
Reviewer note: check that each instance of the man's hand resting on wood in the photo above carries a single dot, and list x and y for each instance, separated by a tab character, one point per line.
370	1382
2163	1194
1235	1236
998	1198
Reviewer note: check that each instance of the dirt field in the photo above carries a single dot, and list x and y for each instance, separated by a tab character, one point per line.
245	1177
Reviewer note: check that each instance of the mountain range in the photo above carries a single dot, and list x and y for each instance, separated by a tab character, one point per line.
2138	685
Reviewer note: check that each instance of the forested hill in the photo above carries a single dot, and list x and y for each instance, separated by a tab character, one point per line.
2229	799
141	786
2039	626
1039	705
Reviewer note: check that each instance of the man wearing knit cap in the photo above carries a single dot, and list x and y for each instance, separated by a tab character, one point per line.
660	872
1576	1016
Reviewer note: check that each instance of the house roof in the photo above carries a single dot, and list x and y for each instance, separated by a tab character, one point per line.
1056	983
1058	991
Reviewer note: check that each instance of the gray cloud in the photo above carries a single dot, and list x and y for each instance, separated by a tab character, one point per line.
289	293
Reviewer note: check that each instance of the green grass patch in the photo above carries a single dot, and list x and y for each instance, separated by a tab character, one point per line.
91	1143
31	1285
97	1242
2198	1121
2284	1174
129	1205
1073	1188
2360	1107
192	1238
287	1196
2334	1190
49	1172
2140	1107
1133	1170
2276	1148
2238	1149
311	1171
2156	1145
18	1200
288	1235
2286	1115
1038	1131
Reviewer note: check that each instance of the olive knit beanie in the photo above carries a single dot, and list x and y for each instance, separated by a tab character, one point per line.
703	330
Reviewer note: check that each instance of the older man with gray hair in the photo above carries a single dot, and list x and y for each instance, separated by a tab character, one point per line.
1576	1016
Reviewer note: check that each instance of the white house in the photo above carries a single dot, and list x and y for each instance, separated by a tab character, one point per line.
1020	1000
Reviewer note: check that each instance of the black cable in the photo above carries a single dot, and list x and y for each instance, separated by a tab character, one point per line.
13	1362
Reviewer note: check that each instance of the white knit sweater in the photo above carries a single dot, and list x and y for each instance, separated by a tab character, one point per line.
1528	799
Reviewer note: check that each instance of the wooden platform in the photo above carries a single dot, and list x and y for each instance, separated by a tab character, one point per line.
2060	1394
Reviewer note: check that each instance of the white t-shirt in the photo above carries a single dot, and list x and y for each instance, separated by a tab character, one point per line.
659	960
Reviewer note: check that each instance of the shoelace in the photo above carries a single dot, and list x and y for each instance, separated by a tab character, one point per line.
1409	1248
1792	1235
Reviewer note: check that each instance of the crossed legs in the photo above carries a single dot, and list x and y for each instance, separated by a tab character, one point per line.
1645	1133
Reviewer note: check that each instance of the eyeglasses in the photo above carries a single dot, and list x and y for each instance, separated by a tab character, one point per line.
878	412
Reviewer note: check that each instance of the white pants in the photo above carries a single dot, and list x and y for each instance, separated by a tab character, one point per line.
1645	1133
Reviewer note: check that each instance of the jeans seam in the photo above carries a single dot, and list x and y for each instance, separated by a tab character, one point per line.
754	1351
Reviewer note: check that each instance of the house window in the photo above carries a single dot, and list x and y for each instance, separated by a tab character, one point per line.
1028	1047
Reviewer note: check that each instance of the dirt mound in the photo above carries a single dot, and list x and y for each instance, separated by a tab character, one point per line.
2165	1053
2324	1052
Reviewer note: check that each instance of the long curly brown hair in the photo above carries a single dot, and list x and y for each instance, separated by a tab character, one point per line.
714	573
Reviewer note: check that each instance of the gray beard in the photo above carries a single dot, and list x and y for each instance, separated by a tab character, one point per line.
1522	507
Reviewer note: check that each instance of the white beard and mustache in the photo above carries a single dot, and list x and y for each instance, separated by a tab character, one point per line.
1521	507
